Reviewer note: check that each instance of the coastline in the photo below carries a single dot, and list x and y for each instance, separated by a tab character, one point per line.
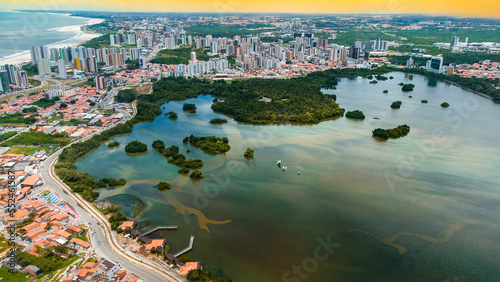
79	38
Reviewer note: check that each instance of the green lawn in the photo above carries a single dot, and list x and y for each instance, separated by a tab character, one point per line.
27	150
180	55
6	276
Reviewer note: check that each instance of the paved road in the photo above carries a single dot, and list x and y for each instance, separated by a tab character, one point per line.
105	250
154	52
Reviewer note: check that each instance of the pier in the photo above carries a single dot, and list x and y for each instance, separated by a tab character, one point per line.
159	228
191	241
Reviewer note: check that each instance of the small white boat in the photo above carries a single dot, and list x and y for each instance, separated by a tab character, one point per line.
278	163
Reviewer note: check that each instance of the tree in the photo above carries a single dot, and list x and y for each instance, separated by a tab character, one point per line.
126	95
445	105
218	121
158	145
61	249
114	144
248	153
171	115
63	105
400	131
166	249
210	144
48	226
198	275
356	114
162	186
196	174
396	104
184	258
183	170
408	87
136	147
189	107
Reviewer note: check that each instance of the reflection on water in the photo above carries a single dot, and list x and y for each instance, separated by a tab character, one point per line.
422	207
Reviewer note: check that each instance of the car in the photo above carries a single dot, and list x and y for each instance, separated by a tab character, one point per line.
99	242
90	223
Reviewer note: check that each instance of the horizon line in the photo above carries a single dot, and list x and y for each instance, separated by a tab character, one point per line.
252	13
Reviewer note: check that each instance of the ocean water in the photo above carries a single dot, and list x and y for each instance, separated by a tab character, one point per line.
420	208
20	31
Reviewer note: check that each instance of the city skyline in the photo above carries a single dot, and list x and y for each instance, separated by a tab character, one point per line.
489	8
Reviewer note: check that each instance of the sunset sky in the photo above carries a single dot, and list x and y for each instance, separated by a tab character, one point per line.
461	8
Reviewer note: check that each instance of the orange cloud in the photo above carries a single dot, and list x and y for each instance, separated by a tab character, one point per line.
461	8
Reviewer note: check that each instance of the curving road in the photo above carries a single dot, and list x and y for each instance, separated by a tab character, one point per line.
109	248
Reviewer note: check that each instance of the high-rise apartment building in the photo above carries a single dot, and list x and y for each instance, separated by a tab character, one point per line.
61	66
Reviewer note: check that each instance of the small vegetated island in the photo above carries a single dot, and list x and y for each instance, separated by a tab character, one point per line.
445	105
396	104
210	144
424	101
356	114
174	157
114	144
136	147
400	131
196	174
248	153
158	145
218	121
171	115
408	87
189	107
162	186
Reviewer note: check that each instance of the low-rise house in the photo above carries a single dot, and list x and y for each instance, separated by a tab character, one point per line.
32	181
62	234
130	224
189	266
75	230
18	216
156	244
80	243
33	270
107	269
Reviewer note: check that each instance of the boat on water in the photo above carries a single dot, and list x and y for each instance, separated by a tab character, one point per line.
285	168
278	163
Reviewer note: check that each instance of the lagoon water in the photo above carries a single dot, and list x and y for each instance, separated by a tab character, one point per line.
420	208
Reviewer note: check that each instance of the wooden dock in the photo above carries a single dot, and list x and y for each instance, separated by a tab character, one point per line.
191	241
159	228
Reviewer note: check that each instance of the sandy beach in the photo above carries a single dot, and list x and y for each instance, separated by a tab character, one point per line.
79	38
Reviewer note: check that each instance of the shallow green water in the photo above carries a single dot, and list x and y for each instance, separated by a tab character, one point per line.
423	207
